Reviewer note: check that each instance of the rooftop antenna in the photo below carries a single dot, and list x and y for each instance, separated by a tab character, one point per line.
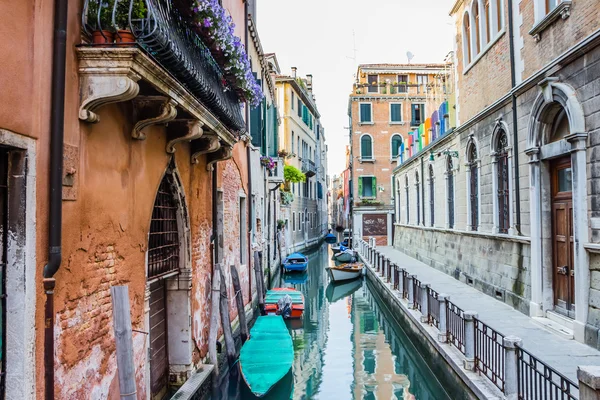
354	50
410	56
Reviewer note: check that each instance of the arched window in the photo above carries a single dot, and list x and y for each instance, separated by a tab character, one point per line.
502	175
366	147
396	143
498	16
398	192
487	21
473	187
431	197
467	39
450	190
476	26
407	200
418	197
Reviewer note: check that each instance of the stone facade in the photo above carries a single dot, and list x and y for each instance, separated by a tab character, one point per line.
497	208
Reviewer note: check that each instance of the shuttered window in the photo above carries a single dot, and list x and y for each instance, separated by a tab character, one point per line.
300	107
367	186
395	112
365	112
396	144
417	112
366	147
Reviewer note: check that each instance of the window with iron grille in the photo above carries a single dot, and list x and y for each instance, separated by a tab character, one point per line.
450	179
474	185
164	243
407	202
502	176
418	188
431	196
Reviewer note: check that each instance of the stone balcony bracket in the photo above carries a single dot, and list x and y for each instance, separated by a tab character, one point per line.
113	75
562	10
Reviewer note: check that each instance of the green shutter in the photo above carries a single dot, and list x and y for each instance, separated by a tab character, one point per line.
374	185
360	186
255	125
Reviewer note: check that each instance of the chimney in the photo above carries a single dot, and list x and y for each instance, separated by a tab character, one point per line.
294	72
309	82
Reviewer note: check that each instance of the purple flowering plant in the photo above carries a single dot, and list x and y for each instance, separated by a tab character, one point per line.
213	21
268	162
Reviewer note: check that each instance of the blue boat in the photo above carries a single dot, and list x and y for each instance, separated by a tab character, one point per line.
330	238
295	262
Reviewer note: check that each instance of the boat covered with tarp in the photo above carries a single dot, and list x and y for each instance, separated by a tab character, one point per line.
295	262
276	302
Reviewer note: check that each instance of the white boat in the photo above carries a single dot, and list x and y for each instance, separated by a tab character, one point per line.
346	272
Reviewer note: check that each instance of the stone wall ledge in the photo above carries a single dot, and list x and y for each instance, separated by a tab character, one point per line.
483	235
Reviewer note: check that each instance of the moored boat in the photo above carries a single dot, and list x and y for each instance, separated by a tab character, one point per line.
267	357
330	238
272	301
336	249
295	262
344	256
346	272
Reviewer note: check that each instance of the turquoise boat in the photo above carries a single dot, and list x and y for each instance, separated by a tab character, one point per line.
266	358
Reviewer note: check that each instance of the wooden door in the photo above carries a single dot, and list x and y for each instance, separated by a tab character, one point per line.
562	238
159	358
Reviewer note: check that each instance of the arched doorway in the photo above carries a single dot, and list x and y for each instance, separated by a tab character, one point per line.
557	145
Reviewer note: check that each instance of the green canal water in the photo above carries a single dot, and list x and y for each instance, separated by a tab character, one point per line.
346	347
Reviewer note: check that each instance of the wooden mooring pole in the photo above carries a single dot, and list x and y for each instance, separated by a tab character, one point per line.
239	301
214	318
123	341
226	322
259	282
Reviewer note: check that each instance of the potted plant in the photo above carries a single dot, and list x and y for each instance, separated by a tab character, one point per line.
283	153
138	12
267	162
99	14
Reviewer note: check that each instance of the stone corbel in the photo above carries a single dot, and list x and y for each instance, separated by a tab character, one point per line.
145	108
193	131
98	90
206	144
224	153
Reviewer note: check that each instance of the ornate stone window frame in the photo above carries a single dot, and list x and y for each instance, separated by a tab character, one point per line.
472	141
501	126
553	94
562	10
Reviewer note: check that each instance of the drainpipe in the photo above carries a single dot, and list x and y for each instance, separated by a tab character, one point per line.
215	232
513	80
57	98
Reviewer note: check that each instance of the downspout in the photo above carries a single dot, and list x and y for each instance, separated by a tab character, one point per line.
57	111
215	233
513	80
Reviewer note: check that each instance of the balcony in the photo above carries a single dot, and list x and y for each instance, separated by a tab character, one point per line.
164	68
276	175
308	168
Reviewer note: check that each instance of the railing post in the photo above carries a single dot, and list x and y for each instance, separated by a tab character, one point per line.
469	318
589	382
401	282
511	362
411	291
443	334
425	302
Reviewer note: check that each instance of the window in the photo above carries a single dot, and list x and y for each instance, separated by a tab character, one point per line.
431	197
417	114
395	112
367	186
292	150
398	192
365	113
373	81
502	175
293	100
293	222
476	27
402	81
366	147
550	5
487	21
418	191
396	146
243	230
473	187
422	81
498	15
466	39
300	108
407	200
450	191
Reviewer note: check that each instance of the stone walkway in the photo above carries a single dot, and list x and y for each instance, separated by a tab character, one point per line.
562	354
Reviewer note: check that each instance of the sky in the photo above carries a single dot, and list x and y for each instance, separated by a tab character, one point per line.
320	37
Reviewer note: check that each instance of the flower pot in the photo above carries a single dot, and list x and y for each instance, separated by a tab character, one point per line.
124	36
102	37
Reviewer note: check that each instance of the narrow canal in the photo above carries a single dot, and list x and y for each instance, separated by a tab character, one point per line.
346	346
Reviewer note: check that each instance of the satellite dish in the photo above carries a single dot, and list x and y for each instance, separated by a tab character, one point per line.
410	56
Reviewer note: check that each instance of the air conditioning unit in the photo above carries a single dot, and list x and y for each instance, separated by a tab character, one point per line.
276	175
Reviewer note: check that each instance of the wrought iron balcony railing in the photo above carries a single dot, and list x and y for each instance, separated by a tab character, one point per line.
161	31
308	168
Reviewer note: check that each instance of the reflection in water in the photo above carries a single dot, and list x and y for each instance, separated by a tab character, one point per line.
344	346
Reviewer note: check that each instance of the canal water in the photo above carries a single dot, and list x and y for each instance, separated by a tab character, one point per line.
344	346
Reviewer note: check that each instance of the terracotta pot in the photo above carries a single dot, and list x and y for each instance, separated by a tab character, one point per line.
124	36
102	37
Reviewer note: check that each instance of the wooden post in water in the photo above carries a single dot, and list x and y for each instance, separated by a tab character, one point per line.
262	274
226	322
214	318
259	282
123	341
239	301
